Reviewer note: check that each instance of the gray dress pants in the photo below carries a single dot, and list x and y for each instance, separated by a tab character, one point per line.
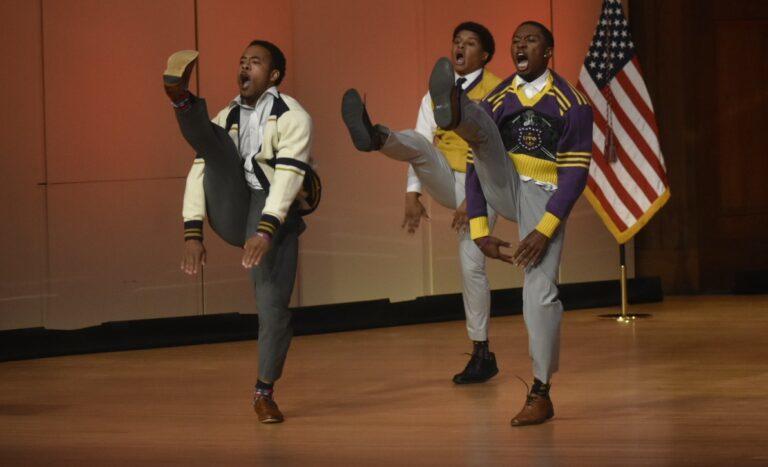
523	202
234	211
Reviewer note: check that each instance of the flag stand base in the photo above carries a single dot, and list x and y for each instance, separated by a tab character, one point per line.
624	317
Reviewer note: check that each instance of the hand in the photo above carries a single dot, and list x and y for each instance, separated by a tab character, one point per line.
490	246
460	221
414	211
194	257
531	250
255	248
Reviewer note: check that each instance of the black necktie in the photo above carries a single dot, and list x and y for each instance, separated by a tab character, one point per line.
460	83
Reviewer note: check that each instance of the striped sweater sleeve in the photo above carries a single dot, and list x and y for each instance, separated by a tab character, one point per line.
193	211
294	134
574	153
477	210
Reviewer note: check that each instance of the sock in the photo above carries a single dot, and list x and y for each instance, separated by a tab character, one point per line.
184	102
263	389
480	348
540	388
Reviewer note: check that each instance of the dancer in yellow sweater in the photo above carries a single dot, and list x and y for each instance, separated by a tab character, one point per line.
438	161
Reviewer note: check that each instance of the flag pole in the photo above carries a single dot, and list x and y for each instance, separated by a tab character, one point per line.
624	317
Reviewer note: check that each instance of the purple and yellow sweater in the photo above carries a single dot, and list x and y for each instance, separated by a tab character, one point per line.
549	139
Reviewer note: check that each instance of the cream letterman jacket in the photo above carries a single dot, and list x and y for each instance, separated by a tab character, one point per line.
284	159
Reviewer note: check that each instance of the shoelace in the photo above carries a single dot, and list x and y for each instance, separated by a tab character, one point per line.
527	388
530	398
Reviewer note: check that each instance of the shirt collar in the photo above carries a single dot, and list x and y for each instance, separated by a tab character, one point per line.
470	77
538	84
239	100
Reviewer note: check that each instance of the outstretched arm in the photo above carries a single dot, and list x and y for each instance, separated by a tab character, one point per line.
194	255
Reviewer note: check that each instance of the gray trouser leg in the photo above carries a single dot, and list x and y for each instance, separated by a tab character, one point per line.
495	169
476	289
542	308
273	281
227	195
430	164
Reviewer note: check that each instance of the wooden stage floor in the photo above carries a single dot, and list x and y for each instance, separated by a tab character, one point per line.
687	387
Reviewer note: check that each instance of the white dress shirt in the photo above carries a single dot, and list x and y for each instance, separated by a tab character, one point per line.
253	119
532	88
426	126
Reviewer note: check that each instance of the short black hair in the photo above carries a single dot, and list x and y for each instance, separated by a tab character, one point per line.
486	38
548	37
276	55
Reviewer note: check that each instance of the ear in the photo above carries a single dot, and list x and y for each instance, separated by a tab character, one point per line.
274	75
485	57
548	52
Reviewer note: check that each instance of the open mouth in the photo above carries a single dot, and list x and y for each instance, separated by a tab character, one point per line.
245	81
521	59
459	58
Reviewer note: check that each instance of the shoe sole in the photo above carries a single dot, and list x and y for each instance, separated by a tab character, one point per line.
549	416
352	111
272	420
538	422
178	63
495	372
441	85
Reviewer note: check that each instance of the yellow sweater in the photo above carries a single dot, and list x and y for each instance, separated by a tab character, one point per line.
455	149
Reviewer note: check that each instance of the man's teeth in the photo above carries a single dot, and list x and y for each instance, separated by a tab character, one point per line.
522	63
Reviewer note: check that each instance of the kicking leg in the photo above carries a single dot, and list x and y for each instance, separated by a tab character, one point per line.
429	163
226	193
453	110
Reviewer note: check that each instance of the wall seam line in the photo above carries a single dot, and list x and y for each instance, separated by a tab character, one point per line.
46	223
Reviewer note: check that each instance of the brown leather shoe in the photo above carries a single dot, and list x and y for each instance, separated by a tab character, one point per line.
537	409
176	75
267	410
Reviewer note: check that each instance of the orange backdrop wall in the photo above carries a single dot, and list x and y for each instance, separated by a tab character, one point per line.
92	165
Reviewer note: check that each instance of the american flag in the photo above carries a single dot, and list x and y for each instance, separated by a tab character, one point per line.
627	181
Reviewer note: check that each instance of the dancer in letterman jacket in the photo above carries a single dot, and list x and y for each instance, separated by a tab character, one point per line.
252	161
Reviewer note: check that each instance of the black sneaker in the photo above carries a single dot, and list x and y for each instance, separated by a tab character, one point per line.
364	136
478	370
442	89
